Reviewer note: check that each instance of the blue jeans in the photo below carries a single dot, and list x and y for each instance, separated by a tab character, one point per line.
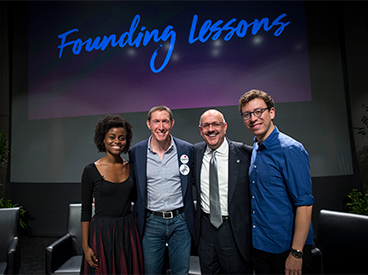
159	231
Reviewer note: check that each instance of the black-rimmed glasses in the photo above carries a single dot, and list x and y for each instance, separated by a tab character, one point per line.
214	125
257	112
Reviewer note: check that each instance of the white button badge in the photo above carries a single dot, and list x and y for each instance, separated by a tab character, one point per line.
184	159
184	169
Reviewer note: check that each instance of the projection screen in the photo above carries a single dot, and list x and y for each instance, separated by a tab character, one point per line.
79	61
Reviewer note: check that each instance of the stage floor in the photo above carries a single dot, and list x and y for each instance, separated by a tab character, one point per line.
33	254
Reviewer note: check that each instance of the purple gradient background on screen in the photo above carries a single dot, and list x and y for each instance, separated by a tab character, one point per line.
119	80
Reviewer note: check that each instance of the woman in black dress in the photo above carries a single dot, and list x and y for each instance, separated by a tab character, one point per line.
110	240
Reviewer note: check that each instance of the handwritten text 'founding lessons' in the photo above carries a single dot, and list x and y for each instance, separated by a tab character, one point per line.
143	37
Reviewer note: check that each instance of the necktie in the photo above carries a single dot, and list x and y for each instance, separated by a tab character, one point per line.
215	207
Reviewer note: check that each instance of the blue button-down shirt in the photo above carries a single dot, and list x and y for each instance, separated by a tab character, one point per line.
163	180
279	182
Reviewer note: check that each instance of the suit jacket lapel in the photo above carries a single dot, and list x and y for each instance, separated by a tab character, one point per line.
142	166
199	157
234	161
183	179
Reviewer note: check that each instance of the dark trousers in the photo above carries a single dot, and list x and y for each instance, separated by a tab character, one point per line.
274	263
218	252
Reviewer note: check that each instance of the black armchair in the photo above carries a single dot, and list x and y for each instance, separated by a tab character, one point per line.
343	240
9	241
64	256
316	261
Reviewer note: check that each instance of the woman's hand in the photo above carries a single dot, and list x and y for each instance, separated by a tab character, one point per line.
88	252
91	258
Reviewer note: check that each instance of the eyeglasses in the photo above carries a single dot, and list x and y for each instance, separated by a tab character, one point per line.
257	113
216	125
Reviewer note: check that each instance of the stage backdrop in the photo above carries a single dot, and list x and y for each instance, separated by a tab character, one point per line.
87	59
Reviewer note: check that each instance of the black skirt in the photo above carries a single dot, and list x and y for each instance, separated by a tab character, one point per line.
115	242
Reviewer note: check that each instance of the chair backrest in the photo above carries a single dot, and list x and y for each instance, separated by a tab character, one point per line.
9	228
74	227
343	241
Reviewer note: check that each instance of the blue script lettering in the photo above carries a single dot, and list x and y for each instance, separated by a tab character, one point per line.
208	29
127	38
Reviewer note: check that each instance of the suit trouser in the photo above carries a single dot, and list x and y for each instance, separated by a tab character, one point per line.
218	251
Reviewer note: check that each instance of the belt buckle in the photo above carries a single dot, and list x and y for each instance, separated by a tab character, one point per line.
167	215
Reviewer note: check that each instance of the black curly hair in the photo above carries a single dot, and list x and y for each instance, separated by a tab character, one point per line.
253	94
105	124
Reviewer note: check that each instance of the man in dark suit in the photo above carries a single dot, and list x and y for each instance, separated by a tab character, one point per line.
163	167
224	241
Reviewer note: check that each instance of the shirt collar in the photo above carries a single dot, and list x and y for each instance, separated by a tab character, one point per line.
223	149
269	140
172	144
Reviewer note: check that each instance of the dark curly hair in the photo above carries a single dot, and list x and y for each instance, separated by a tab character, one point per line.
253	94
105	124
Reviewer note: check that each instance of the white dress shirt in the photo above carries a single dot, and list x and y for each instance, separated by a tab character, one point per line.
222	157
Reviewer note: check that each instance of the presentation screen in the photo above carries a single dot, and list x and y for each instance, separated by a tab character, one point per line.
82	60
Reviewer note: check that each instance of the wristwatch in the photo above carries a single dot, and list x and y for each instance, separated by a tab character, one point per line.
296	253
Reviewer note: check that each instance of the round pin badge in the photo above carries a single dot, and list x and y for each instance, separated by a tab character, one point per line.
184	169
184	159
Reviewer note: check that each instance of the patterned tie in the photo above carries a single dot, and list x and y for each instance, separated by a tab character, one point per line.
215	207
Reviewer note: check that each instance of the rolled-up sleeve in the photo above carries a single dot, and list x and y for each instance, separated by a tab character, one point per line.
296	172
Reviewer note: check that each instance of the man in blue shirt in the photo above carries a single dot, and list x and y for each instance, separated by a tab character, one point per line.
163	167
281	192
